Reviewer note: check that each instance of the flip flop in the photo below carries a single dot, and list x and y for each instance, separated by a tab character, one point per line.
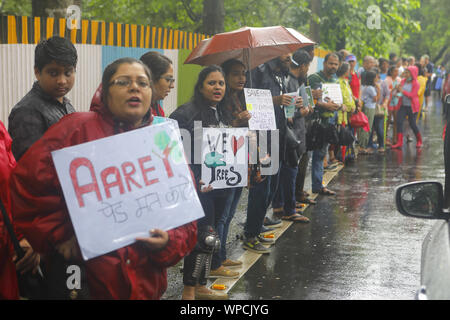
296	218
330	166
327	192
307	201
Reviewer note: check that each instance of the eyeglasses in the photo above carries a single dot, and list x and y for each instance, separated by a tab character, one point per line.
126	83
169	79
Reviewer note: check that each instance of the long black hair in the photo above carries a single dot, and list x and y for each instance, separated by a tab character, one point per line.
227	105
345	66
197	98
157	63
369	78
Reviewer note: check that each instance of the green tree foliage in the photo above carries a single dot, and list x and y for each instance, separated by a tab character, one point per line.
434	39
349	24
15	7
175	14
342	23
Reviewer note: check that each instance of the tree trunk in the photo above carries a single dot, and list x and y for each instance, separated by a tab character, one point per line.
213	16
314	28
440	54
52	8
341	43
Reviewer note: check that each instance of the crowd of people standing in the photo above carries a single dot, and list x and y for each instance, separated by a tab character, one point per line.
386	91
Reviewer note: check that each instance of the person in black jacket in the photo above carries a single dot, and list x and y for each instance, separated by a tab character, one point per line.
204	110
284	202
55	62
271	76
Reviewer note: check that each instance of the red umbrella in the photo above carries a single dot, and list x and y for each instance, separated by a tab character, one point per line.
252	46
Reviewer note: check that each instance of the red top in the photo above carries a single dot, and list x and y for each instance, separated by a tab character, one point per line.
355	83
157	110
132	272
8	278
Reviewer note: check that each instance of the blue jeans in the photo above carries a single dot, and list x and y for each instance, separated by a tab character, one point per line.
257	207
224	224
285	195
378	127
260	196
317	168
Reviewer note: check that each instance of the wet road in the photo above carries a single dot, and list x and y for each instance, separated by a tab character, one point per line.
357	246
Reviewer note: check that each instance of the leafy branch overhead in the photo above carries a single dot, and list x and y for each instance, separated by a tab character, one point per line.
406	26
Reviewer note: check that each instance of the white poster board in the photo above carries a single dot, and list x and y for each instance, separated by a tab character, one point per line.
332	91
260	106
120	187
225	157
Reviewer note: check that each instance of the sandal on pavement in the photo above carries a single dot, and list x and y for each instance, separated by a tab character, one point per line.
206	294
326	192
307	201
296	218
278	210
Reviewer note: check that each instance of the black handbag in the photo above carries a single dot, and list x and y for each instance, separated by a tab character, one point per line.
331	134
31	286
52	284
346	136
291	140
315	136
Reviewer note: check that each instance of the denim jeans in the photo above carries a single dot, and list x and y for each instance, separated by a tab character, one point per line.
378	128
257	207
317	168
213	204
285	195
274	184
224	224
401	116
301	175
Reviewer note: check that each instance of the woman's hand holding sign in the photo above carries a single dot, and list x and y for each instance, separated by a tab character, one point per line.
157	241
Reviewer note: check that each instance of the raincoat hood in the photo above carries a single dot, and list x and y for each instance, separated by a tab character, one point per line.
98	106
414	72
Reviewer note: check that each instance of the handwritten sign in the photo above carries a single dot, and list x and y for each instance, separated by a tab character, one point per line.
225	157
260	106
120	187
332	91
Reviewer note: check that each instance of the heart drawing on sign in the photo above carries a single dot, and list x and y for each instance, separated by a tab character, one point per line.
236	144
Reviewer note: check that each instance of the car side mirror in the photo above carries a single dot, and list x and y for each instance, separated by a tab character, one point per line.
447	99
423	199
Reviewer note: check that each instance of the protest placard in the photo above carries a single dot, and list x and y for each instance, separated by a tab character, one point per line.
306	94
120	187
260	106
225	157
289	110
332	91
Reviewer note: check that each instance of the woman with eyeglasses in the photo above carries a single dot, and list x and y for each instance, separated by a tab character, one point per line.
137	271
163	80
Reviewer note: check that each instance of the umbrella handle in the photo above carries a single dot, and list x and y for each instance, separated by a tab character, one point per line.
247	64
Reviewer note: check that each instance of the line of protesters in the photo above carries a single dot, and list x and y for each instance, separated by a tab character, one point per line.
128	98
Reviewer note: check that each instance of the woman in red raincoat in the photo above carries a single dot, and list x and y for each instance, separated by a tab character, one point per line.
137	271
8	278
